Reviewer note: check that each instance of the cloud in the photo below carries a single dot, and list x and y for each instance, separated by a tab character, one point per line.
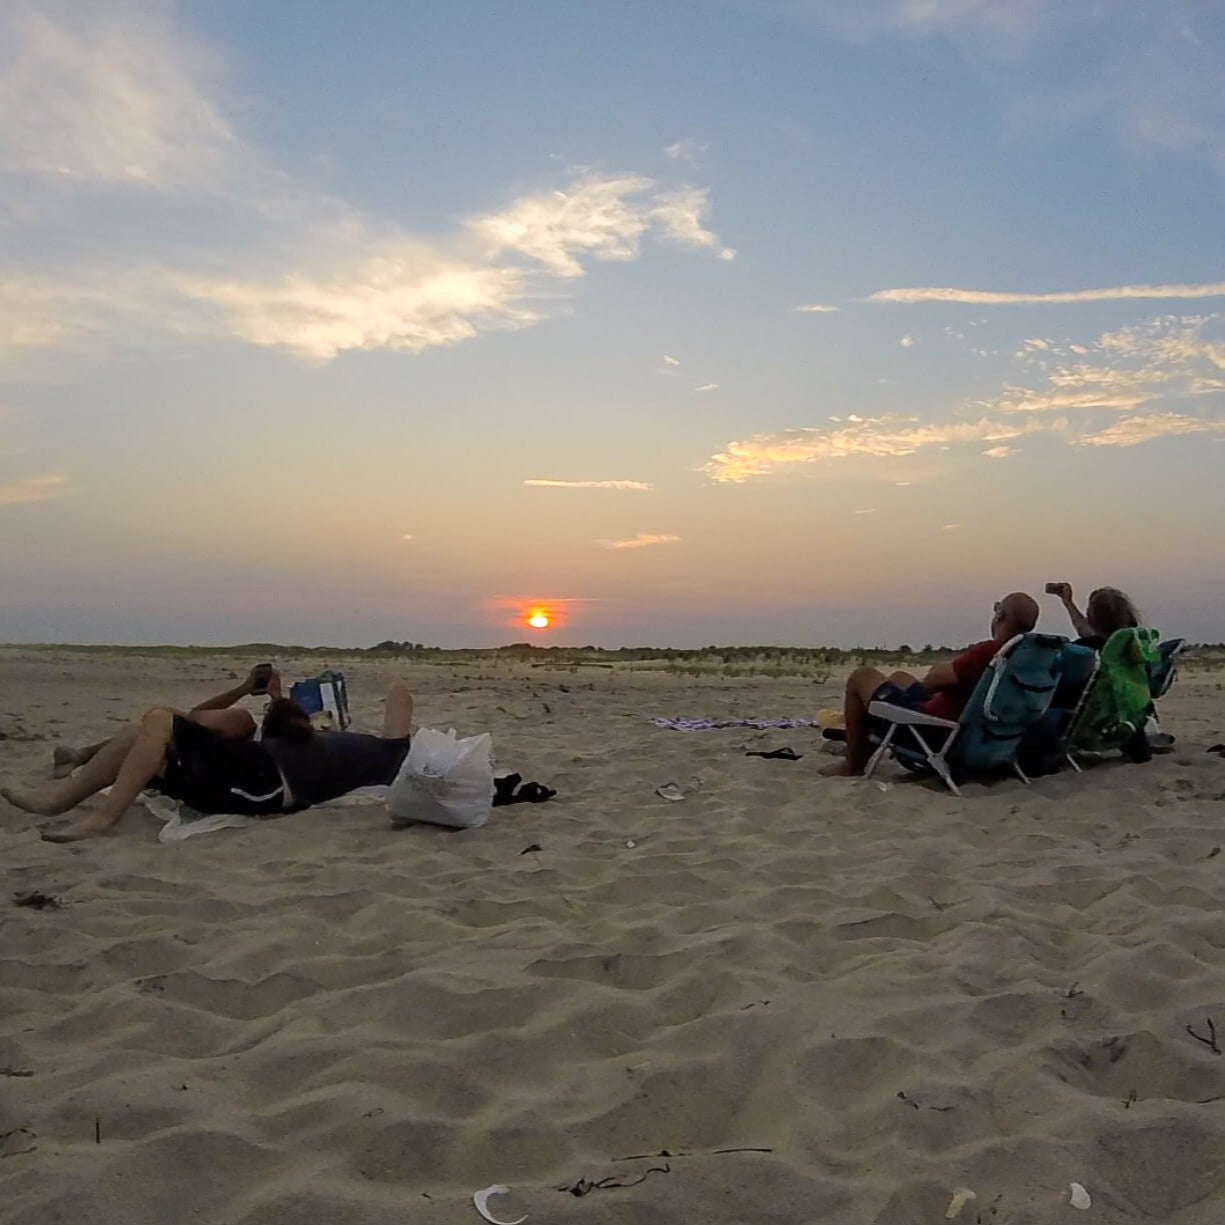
631	486
817	308
707	387
907	342
109	95
687	150
1076	395
867	510
985	297
343	286
1132	431
604	216
1168	357
880	437
678	217
950	527
669	360
641	541
33	489
408	536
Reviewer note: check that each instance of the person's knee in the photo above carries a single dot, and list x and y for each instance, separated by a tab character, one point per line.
399	689
864	680
903	680
157	719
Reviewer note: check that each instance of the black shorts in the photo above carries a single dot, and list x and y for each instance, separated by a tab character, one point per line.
910	698
211	773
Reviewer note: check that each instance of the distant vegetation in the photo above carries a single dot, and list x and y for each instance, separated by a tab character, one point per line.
818	664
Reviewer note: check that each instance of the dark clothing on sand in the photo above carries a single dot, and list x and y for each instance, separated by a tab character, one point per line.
325	765
212	773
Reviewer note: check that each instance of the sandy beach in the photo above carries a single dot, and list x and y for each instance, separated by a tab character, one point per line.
825	1000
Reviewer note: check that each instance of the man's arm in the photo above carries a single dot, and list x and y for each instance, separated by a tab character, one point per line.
941	676
230	696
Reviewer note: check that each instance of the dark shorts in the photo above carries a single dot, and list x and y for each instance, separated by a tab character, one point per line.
910	698
327	765
214	774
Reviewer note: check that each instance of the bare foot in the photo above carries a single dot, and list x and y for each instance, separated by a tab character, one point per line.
840	769
64	760
37	802
89	827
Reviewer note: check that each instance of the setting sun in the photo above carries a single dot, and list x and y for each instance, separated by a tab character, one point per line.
538	621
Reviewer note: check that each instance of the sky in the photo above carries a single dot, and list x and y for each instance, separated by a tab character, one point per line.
800	322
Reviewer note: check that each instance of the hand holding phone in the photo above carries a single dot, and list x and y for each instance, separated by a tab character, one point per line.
1062	590
261	674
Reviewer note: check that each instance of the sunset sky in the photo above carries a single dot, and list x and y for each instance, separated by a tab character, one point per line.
704	321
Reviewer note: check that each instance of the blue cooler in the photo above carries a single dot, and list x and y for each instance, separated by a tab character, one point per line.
325	698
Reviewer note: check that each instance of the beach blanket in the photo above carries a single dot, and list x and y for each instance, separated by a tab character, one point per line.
706	725
180	821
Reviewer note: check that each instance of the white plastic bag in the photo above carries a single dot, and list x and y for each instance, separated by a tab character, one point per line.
444	781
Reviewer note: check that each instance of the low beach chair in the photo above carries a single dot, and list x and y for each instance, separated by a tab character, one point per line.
1012	696
1044	747
1162	673
1119	701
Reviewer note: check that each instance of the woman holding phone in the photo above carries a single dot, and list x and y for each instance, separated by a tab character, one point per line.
1108	609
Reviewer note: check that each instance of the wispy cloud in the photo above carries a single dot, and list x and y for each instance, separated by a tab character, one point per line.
1168	357
687	150
1073	393
109	95
880	437
33	489
630	486
643	540
358	288
907	342
986	297
817	308
669	360
1132	431
707	387
116	95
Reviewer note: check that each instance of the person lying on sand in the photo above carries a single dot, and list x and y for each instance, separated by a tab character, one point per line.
1109	609
208	760
943	692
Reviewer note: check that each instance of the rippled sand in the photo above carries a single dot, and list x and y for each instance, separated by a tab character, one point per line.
895	992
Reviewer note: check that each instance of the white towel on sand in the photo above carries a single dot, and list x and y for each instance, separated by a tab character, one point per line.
180	821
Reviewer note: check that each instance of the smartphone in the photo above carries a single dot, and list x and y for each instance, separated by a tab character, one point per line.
263	674
1054	589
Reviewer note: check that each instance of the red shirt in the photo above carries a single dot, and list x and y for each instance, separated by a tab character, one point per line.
968	667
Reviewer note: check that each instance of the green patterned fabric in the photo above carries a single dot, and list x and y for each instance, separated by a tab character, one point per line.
1120	700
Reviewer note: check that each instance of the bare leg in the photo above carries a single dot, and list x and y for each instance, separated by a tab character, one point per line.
860	686
398	713
65	758
100	771
145	759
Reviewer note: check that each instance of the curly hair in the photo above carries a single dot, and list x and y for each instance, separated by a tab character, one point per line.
1110	609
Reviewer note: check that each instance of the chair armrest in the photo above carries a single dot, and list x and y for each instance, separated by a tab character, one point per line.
899	714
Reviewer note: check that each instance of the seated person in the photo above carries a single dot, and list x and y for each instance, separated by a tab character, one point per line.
1109	609
209	760
943	692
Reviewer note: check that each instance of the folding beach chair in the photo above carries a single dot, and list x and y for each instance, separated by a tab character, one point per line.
1044	747
1119	702
1012	696
1161	675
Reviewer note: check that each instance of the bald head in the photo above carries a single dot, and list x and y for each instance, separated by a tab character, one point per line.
1015	614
